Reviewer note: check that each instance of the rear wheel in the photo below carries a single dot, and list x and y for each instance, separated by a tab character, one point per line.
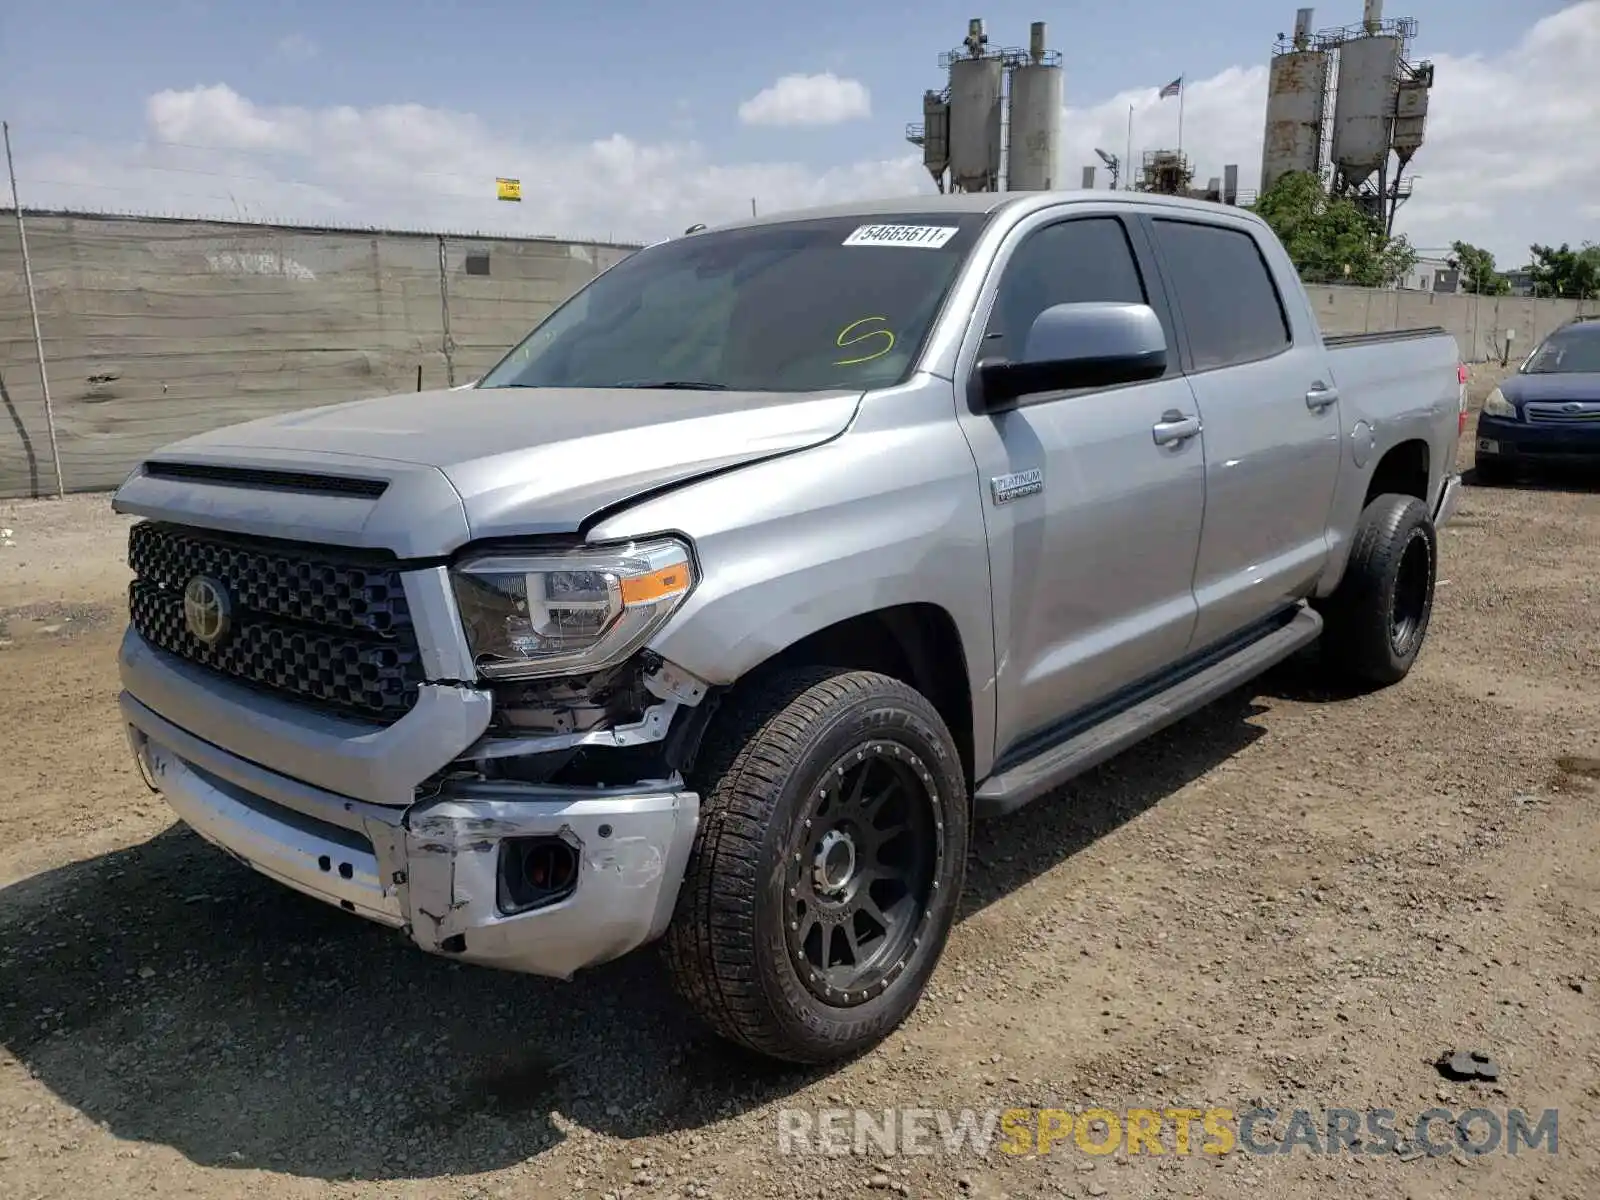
827	867
1378	618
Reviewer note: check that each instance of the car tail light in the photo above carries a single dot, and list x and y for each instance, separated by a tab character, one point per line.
1461	398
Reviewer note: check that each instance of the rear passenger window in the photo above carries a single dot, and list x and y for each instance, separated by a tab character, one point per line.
1229	303
1075	261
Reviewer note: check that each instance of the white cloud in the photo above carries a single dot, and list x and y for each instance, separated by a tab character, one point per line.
297	47
1504	165
212	151
822	99
219	116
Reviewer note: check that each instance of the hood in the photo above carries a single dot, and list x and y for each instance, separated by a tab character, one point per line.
517	461
1573	385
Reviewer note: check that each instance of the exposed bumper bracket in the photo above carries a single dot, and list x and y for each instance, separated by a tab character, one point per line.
433	869
1449	498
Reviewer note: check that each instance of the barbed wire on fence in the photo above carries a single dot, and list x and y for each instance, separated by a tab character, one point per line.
237	151
275	224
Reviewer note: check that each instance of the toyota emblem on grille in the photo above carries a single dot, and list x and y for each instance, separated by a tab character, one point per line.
1572	406
206	609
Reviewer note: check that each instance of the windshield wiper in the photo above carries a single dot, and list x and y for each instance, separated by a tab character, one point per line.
680	385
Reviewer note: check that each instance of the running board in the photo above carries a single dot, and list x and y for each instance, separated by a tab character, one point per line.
1002	794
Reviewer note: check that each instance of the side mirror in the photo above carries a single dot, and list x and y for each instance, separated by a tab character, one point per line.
1078	346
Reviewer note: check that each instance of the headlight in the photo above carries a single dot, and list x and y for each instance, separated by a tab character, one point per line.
1498	406
582	610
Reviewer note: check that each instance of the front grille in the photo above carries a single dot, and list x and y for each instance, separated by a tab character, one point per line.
314	623
1557	413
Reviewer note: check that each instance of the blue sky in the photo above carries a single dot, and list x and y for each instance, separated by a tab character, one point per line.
76	76
586	71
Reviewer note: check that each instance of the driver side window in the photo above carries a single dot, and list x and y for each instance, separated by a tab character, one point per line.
1071	262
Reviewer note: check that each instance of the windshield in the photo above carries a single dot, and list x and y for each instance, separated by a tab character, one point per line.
1568	352
795	307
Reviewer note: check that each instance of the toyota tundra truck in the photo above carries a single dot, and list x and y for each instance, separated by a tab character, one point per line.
717	611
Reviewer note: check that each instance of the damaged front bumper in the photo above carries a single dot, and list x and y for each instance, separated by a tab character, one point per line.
443	869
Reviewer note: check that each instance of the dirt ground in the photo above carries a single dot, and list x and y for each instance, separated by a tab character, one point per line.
1295	898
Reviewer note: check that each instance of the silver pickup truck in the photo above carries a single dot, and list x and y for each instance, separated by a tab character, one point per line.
716	612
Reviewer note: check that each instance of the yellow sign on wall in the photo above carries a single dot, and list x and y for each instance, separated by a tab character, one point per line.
508	189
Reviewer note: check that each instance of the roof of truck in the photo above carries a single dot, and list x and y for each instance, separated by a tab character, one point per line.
971	202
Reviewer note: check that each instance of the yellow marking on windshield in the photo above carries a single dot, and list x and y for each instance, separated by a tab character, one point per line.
845	340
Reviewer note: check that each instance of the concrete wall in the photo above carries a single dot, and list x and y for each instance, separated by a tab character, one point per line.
156	329
1479	323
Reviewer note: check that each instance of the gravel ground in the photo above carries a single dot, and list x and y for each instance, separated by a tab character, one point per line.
1296	898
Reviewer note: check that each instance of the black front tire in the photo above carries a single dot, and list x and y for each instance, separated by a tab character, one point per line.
776	746
1377	619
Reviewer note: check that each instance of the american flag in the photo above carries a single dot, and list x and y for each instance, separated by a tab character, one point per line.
1173	88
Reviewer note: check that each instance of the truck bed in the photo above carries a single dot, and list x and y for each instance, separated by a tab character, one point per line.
1402	384
1395	371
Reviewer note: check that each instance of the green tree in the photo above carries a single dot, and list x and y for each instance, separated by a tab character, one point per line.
1563	271
1477	269
1329	238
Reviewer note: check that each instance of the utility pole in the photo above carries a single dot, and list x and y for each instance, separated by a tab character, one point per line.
33	309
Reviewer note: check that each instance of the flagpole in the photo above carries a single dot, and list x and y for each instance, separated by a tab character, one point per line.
1181	90
1127	163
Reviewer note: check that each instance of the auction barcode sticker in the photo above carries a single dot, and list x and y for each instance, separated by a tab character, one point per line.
927	237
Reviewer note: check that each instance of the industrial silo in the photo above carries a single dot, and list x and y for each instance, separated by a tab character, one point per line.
936	135
977	82
1297	88
1411	112
1033	156
1363	112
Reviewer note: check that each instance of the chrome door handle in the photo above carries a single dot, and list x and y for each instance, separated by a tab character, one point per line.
1321	396
1174	427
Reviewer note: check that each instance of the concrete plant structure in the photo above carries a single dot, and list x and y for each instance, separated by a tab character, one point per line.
996	125
1363	109
1349	106
977	100
1034	143
1297	88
